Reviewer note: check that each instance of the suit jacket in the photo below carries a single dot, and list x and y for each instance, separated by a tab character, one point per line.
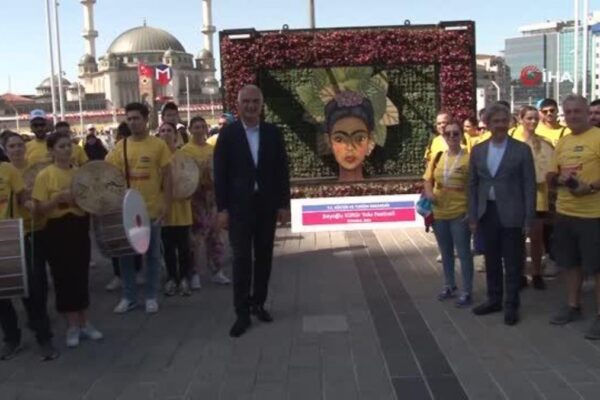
514	184
236	174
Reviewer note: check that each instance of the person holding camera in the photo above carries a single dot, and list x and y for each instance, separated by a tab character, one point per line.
575	171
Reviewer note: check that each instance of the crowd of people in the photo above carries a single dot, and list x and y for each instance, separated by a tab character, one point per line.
495	183
57	230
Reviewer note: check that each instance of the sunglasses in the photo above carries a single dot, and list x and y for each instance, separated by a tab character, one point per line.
452	134
548	111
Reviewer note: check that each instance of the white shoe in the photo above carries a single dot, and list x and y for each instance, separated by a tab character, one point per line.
438	258
220	278
151	306
124	306
139	279
550	268
195	282
73	333
90	332
114	284
170	288
184	288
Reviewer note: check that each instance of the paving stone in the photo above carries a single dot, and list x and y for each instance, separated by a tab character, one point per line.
325	323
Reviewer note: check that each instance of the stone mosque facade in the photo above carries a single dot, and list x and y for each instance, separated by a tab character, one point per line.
115	73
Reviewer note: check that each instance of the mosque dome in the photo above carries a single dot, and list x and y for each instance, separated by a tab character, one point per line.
46	82
145	39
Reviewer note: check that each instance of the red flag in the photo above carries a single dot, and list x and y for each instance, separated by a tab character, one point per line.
145	70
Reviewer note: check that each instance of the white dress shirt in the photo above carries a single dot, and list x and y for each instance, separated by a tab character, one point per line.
253	137
494	157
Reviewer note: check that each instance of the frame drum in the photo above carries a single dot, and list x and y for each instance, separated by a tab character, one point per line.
125	232
13	267
98	188
186	176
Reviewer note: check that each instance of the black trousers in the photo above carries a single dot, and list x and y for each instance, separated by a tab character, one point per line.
176	251
68	253
504	255
251	238
35	304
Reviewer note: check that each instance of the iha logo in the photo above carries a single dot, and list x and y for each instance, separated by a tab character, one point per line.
531	76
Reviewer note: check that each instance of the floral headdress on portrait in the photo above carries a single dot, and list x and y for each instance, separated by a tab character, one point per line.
329	84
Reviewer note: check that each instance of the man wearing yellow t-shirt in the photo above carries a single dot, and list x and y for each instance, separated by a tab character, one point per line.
575	170
144	160
437	143
549	127
595	113
36	150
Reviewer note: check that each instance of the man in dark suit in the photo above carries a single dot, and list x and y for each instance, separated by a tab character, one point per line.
253	194
502	194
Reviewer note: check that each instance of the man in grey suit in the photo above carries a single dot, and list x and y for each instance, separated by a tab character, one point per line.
502	193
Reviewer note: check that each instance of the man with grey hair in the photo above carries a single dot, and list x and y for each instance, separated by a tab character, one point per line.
576	175
253	194
502	194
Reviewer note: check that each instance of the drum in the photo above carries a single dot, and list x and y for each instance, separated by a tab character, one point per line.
125	232
98	188
13	267
186	176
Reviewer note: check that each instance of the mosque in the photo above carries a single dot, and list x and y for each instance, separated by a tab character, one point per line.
108	81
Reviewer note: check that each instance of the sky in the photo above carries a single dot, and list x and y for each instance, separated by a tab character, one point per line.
24	60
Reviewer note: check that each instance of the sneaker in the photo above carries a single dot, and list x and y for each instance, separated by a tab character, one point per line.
464	300
195	282
9	350
549	267
220	279
139	279
438	258
446	293
73	333
479	261
114	284
48	352
538	282
594	332
151	306
90	332
184	288
170	288
565	315
124	306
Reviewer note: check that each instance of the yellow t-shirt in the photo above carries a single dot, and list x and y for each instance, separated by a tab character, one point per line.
146	159
36	151
578	155
11	184
542	158
30	224
180	214
49	182
450	197
552	135
437	144
212	140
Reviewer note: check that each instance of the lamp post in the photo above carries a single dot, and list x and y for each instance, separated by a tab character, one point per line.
311	13
80	107
576	48
51	53
497	90
187	97
61	94
584	78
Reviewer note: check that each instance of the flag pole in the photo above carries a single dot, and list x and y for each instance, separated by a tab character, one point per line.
51	53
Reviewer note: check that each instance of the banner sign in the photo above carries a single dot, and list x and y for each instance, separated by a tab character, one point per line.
355	213
163	74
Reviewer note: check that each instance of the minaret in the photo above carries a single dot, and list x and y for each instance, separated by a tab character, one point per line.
88	64
89	33
206	60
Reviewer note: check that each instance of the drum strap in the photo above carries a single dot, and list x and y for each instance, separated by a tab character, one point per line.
126	163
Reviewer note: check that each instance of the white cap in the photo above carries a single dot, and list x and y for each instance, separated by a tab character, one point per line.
89	126
37	113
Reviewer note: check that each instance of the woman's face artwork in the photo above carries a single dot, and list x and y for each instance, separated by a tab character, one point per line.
351	142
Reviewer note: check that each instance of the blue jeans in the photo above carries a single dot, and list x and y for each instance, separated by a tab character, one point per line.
451	233
152	268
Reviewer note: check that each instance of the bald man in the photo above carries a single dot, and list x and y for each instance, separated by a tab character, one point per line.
253	194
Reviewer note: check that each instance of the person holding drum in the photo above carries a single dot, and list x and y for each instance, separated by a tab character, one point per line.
176	230
67	239
14	203
204	206
144	160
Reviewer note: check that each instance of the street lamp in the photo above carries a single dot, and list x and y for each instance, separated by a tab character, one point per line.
497	90
187	97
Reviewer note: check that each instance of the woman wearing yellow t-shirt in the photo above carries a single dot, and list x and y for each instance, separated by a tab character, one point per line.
175	231
205	231
542	154
67	239
35	303
445	184
472	136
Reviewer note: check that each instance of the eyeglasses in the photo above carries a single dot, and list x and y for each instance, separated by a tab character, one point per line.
548	111
452	134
